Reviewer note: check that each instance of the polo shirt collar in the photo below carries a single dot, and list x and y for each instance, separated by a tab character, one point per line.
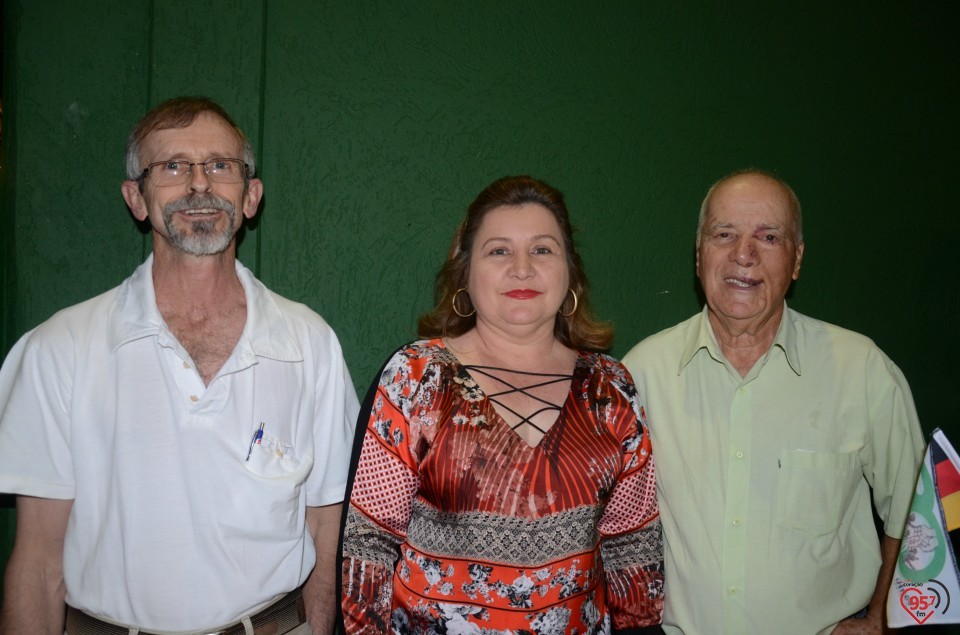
135	316
700	337
266	327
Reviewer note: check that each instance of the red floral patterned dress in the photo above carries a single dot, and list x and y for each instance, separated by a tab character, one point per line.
456	525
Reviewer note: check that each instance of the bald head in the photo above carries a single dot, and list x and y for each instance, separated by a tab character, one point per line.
751	178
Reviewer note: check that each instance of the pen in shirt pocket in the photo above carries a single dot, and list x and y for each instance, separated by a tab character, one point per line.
257	437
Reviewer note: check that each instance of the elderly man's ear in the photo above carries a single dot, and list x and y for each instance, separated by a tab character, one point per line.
796	267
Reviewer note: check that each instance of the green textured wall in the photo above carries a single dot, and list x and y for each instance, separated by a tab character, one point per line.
377	122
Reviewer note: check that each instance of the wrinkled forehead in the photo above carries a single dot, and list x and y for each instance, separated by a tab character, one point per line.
751	200
207	136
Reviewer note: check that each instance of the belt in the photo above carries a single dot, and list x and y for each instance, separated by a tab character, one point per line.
281	617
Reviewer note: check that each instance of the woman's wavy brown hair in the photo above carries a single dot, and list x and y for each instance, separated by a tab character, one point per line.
579	331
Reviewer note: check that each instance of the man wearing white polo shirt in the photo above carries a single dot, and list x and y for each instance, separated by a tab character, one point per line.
179	444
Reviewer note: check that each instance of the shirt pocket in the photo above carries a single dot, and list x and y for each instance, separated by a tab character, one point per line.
815	489
272	458
271	492
275	460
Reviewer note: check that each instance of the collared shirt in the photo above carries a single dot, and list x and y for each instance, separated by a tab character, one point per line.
173	526
764	481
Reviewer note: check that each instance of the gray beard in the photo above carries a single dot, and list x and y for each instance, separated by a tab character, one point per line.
204	239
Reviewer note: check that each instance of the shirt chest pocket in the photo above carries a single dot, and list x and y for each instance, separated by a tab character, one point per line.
815	489
273	459
270	491
278	458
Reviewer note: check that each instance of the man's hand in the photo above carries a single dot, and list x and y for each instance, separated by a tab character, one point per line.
868	625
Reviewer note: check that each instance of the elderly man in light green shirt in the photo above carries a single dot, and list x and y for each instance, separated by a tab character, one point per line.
770	430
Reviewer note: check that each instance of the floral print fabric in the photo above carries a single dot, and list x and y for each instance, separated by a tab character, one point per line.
456	525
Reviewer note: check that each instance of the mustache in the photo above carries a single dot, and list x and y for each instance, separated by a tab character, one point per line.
198	200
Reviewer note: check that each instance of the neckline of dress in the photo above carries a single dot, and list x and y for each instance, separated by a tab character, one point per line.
493	402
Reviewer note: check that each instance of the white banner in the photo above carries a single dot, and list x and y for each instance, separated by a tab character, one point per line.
926	583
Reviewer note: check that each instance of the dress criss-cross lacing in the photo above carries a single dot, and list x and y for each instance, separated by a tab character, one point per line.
550	378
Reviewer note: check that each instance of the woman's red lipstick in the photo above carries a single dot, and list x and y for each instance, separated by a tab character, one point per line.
522	294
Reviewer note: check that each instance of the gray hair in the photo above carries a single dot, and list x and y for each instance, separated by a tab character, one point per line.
181	112
795	210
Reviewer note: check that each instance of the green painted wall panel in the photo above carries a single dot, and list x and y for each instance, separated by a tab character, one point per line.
377	122
76	79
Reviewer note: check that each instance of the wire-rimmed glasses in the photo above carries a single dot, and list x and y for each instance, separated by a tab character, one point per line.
178	171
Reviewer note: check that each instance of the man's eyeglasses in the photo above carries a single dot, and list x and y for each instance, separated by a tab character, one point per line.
177	172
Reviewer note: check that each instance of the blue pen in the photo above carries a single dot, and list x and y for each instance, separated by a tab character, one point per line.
255	440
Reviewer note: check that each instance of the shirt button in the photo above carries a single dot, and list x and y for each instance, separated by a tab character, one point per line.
732	591
194	398
739	454
186	365
741	390
736	522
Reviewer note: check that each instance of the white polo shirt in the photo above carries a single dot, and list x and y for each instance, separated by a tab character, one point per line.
173	527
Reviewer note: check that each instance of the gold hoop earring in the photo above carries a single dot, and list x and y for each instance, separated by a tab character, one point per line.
453	303
575	303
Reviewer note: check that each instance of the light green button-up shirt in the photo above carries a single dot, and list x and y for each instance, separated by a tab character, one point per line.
764	481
